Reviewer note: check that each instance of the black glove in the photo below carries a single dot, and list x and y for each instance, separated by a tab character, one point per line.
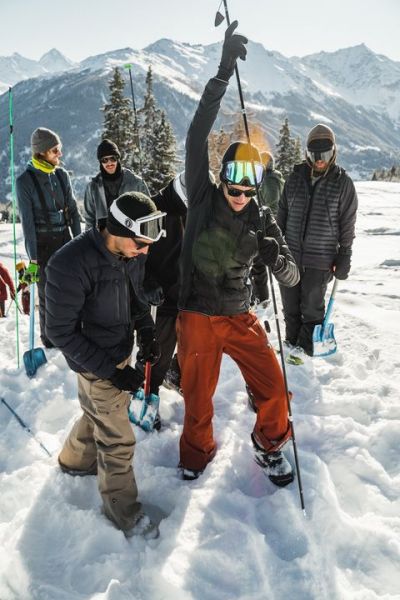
153	292
268	249
233	48
127	379
342	264
149	348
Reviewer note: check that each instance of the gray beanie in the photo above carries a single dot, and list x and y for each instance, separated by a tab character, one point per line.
320	137
43	139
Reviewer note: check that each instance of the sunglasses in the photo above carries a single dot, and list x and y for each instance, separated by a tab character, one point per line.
140	245
108	159
236	193
242	172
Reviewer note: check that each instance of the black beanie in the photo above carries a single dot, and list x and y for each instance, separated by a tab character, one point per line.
241	151
134	205
107	148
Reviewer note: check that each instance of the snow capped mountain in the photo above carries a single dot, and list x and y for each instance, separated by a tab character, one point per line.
16	68
354	90
359	75
54	62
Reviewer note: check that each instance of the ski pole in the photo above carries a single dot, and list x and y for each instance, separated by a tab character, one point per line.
136	124
16	304
218	20
24	426
14	208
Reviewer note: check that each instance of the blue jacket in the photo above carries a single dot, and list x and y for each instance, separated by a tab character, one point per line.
94	301
30	209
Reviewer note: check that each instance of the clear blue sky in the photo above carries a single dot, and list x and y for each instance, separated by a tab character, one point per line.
80	28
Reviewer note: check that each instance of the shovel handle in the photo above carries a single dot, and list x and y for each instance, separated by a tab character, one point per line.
330	305
147	378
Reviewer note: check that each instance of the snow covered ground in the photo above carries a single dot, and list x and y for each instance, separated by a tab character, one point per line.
231	534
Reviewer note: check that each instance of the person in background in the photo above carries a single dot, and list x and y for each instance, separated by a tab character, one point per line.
111	181
5	281
269	194
48	211
95	302
317	214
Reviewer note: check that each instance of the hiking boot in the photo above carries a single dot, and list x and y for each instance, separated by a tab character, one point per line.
274	464
157	422
78	472
172	379
188	474
144	526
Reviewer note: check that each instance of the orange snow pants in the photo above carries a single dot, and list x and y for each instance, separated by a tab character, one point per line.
202	340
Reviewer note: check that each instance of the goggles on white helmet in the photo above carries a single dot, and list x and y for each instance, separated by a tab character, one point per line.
150	227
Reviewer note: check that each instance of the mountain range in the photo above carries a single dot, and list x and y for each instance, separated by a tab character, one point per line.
354	90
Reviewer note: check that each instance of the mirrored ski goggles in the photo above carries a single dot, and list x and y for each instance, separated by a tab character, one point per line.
241	172
151	227
317	155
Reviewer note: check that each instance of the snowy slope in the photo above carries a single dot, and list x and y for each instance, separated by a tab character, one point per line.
231	534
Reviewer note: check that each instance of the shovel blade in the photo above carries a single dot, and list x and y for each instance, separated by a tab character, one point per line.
324	342
33	359
143	409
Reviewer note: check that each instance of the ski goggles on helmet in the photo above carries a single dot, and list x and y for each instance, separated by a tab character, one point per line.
242	172
326	156
151	227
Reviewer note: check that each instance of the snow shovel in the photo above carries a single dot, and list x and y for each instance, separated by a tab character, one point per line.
324	342
34	357
143	402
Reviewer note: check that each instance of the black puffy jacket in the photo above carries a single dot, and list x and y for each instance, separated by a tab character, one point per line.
94	301
318	221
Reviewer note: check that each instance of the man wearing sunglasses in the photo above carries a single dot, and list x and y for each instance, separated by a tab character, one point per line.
95	302
110	182
317	215
224	232
48	211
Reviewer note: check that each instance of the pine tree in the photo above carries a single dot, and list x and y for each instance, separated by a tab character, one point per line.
218	141
164	155
119	119
285	150
150	117
298	152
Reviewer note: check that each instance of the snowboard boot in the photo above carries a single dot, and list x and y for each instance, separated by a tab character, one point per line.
274	464
172	379
144	526
188	474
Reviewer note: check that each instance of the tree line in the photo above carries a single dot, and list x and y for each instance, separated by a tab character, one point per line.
148	146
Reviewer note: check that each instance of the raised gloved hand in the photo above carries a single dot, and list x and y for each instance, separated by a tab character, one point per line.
127	379
233	48
268	249
149	348
31	274
341	264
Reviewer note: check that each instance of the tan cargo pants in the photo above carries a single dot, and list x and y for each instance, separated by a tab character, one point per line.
104	435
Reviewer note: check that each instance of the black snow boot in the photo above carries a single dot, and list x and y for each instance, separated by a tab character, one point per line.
274	464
